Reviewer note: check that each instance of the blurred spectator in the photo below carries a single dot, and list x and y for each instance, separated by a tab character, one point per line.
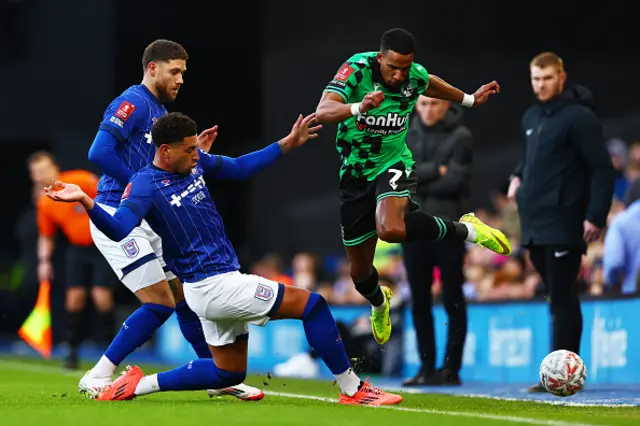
622	245
634	153
86	268
442	148
271	266
507	214
618	151
511	280
308	272
344	292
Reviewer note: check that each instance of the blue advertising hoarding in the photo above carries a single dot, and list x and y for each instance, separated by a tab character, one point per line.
505	342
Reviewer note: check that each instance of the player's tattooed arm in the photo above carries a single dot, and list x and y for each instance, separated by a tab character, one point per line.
440	89
332	108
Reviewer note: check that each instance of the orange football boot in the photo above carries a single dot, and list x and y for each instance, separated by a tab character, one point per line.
370	395
124	387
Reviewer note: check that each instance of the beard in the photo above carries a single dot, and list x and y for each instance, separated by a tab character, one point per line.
164	94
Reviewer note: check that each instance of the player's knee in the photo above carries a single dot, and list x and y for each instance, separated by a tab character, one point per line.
75	299
102	299
391	232
315	305
158	294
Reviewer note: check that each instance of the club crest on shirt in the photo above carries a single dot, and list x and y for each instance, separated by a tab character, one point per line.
131	248
407	90
264	292
166	182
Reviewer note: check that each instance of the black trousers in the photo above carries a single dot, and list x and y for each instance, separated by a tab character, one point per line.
420	258
558	267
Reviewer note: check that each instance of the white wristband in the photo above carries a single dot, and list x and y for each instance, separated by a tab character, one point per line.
467	100
355	109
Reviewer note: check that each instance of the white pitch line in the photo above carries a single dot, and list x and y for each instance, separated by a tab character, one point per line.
560	402
514	419
45	369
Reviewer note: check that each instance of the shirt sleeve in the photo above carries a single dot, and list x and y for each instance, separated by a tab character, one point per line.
243	167
103	154
613	261
346	79
124	116
138	196
422	77
137	200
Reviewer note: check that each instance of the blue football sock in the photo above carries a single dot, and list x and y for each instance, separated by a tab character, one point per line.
191	328
323	336
136	330
200	374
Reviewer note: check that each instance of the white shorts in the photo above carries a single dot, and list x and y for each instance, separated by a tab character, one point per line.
137	259
227	303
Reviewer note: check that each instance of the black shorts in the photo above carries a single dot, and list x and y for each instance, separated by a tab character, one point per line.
85	267
360	197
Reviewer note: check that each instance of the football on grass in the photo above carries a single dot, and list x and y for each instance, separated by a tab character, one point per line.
563	373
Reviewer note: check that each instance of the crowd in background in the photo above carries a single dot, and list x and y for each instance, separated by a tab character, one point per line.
488	276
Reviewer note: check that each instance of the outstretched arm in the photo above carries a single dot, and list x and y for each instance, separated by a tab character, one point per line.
116	227
440	89
221	167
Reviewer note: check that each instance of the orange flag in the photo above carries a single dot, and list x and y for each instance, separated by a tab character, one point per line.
36	330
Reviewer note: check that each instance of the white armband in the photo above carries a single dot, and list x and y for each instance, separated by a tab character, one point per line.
355	109
467	100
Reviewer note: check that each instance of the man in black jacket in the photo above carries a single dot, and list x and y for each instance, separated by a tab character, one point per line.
563	188
441	147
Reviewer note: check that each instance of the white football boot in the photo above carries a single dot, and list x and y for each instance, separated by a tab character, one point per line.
241	391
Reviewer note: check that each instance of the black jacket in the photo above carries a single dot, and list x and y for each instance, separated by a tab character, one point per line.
447	143
566	172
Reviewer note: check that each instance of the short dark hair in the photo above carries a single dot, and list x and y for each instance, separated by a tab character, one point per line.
163	51
39	156
398	40
173	128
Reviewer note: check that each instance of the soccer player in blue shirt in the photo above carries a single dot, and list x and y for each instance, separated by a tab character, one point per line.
122	146
171	194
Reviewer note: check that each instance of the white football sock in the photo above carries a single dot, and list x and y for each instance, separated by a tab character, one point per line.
104	368
148	384
348	382
472	232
